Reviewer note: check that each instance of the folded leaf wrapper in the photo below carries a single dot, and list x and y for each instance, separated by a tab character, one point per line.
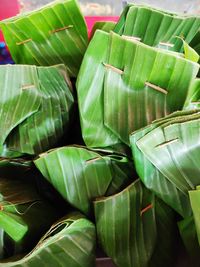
36	103
166	158
54	34
130	225
129	86
69	242
82	175
156	27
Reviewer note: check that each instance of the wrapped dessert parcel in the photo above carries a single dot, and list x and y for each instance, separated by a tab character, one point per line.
100	139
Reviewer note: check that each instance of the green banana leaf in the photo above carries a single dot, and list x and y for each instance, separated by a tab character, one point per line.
165	253
35	107
54	34
90	94
195	44
155	181
128	226
9	154
190	53
69	242
153	178
20	205
105	26
123	93
169	151
195	203
82	174
193	98
156	27
189	236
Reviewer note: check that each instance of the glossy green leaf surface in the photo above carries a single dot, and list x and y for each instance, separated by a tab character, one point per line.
17	104
35	107
190	53
127	226
7	153
82	174
164	252
134	75
90	94
54	34
126	92
105	26
170	148
193	98
69	242
154	179
195	203
195	44
156	27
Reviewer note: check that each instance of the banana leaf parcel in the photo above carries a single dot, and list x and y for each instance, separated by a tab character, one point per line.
82	175
130	226
35	107
128	79
157	27
128	86
69	242
166	156
54	34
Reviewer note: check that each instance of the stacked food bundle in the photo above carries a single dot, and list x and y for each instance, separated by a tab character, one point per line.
128	179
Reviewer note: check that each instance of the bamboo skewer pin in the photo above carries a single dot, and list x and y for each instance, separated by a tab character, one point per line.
28	86
24	42
108	66
166	44
167	143
61	29
150	206
157	88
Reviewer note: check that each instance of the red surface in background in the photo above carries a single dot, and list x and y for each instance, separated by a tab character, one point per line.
8	8
91	21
